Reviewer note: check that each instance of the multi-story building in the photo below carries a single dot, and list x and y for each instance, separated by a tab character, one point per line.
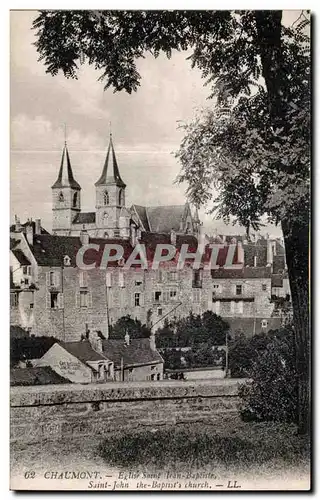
51	296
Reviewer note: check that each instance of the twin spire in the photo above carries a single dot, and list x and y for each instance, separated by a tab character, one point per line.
110	173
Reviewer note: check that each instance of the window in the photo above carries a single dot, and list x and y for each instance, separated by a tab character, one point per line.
137	299
52	278
61	197
31	306
264	323
197	278
121	197
116	233
66	260
75	199
26	281
24	269
83	298
240	307
173	275
14	299
196	296
215	286
157	296
160	311
83	282
106	198
138	280
238	289
54	300
173	294
152	376
264	287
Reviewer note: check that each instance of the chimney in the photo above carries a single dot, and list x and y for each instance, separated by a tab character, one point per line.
173	237
153	342
96	341
269	252
37	229
84	237
18	227
127	338
240	253
29	232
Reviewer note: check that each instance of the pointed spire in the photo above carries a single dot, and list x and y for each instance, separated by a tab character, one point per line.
110	173
65	177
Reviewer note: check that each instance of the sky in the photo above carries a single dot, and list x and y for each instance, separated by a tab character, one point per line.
144	128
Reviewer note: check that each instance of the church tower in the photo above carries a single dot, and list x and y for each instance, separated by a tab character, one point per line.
110	197
65	197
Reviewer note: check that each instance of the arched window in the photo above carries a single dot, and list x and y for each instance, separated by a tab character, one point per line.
121	197
106	198
75	199
61	197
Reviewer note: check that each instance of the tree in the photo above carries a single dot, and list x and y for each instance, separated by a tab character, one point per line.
262	165
133	327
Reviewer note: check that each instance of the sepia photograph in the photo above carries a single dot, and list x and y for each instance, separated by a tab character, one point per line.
160	198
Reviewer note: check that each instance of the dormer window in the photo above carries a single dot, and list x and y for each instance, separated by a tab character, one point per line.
61	197
75	199
66	260
106	198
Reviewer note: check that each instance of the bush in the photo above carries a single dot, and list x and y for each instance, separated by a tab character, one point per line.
23	349
271	394
243	352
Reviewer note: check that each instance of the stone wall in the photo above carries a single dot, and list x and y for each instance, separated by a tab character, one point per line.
51	413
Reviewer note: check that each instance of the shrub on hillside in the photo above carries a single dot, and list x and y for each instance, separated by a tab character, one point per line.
271	394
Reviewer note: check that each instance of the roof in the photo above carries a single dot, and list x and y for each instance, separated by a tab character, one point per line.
142	214
16	332
138	352
65	176
36	376
82	350
110	172
161	219
244	273
22	259
85	218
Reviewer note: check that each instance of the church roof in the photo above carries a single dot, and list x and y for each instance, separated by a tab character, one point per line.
161	219
65	177
85	218
110	173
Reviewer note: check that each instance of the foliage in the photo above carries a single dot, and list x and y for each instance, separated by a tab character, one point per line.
28	348
133	327
192	331
243	351
202	355
272	394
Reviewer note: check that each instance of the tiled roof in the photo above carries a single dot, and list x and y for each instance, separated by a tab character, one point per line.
36	376
83	351
16	332
142	214
85	218
22	259
164	218
250	325
244	273
138	352
110	172
65	176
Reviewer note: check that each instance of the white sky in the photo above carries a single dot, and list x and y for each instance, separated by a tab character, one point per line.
144	127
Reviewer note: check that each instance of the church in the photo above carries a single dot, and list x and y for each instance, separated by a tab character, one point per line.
112	219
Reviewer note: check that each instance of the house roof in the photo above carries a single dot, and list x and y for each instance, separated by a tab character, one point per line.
110	172
83	351
85	218
36	376
161	219
138	352
22	259
244	273
142	214
65	176
16	332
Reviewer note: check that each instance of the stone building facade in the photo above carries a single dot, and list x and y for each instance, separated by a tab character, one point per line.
63	301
